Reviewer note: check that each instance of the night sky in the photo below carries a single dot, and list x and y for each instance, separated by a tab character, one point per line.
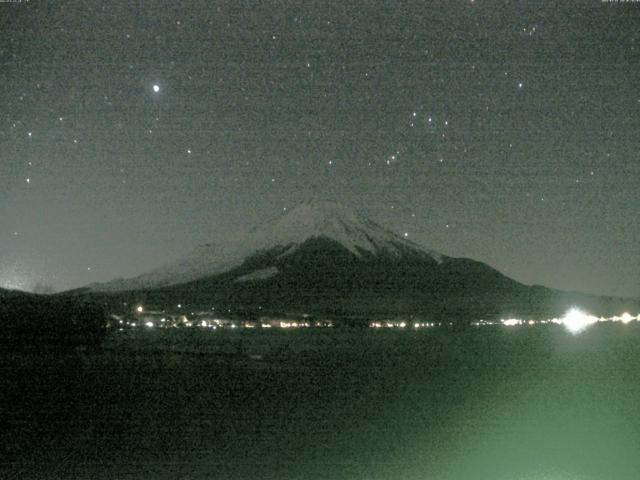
508	132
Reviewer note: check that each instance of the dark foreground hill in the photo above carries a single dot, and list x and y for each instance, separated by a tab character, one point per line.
59	321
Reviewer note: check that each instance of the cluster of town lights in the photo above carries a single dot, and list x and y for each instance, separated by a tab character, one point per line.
148	318
402	324
574	320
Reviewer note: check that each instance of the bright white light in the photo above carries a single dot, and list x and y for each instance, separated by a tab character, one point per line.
626	317
156	88
139	309
575	320
149	324
511	322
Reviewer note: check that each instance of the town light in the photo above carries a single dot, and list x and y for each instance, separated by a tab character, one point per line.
575	320
626	317
511	322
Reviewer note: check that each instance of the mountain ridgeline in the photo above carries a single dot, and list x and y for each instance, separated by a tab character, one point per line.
324	259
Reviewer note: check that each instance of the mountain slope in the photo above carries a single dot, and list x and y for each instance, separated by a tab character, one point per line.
312	219
324	259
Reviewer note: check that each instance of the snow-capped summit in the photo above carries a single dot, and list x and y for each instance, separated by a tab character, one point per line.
331	220
313	219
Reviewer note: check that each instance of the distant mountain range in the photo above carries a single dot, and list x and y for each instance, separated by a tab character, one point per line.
323	258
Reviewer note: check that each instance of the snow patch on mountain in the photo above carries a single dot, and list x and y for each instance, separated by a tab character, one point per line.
261	274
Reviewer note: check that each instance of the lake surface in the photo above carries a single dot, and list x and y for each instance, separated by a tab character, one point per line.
528	403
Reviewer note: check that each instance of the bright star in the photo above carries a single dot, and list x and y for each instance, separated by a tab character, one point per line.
156	88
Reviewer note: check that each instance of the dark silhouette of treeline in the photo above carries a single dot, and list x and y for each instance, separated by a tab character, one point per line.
29	320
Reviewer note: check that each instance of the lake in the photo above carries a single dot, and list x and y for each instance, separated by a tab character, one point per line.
528	403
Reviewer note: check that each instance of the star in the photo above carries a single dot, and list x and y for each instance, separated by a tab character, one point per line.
156	88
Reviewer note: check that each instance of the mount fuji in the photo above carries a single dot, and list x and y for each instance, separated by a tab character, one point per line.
324	258
313	220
